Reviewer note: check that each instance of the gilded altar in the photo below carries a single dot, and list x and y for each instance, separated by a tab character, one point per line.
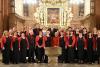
53	12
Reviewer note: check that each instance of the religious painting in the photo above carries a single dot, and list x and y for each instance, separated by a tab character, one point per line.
53	15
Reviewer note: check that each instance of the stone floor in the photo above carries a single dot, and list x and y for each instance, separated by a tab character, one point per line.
49	65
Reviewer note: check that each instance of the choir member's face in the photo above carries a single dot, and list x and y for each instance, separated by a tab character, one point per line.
70	29
77	30
68	33
19	33
84	30
6	33
48	32
56	34
15	34
61	33
40	33
10	31
90	34
71	33
31	33
23	35
80	35
14	28
98	33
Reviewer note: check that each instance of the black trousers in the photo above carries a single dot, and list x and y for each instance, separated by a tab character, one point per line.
62	57
6	56
85	56
80	54
36	52
31	54
70	54
23	54
16	56
90	55
41	54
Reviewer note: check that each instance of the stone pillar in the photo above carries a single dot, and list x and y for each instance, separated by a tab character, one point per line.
1	16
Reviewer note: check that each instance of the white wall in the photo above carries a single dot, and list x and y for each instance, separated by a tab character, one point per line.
87	7
19	7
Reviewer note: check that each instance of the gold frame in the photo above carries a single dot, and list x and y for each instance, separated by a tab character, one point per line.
43	17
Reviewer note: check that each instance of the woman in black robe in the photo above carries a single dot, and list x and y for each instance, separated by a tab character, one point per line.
40	43
10	36
98	46
90	44
48	39
15	48
95	55
70	45
75	48
6	47
62	45
80	47
85	50
31	40
24	45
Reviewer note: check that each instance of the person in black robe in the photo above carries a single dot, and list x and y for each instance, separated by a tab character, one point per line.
31	40
80	47
52	31
70	45
48	39
85	51
15	48
24	46
98	46
62	45
36	31
75	48
11	52
6	47
90	44
95	55
40	43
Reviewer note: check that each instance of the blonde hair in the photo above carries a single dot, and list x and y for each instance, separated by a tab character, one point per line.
5	33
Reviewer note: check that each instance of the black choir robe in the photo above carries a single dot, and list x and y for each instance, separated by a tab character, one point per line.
81	44
48	41
75	50
16	49
98	46
70	43
24	45
85	51
90	47
36	31
6	46
31	40
62	41
52	31
40	43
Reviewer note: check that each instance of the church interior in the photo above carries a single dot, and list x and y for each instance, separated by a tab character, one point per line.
62	15
20	13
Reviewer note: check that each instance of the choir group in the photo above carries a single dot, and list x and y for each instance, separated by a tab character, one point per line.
78	45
